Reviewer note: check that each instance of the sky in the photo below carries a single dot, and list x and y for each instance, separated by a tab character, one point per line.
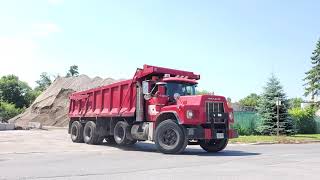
234	45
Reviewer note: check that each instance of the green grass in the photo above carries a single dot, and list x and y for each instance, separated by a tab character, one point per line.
299	138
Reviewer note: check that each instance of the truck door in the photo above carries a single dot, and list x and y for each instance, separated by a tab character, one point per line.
156	102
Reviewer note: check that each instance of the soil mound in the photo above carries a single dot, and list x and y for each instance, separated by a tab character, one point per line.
51	107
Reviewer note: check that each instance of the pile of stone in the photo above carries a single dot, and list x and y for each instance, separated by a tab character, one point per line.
51	107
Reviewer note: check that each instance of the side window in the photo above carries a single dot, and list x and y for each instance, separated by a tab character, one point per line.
190	90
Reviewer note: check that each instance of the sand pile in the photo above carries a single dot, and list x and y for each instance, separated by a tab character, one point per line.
51	107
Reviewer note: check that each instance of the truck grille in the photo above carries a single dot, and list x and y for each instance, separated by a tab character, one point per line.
214	109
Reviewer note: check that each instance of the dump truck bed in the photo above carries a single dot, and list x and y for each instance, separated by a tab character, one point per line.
117	99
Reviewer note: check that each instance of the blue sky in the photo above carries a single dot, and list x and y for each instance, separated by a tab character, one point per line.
234	45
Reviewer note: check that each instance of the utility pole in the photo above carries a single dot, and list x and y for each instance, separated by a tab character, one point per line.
278	103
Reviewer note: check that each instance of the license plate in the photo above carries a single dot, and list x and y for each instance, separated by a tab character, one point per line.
220	135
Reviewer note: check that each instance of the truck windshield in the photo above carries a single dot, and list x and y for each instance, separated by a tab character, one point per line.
183	89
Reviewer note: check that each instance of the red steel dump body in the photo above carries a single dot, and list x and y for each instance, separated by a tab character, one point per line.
117	99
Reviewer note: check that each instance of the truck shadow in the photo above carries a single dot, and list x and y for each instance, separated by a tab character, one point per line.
225	152
190	150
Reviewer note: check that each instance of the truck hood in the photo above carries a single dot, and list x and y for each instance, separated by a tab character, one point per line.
198	100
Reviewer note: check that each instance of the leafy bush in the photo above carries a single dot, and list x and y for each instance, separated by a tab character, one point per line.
8	111
304	120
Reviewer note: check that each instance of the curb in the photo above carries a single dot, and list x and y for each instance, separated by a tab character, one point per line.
270	143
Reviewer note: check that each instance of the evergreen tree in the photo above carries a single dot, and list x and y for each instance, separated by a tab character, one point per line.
267	109
312	78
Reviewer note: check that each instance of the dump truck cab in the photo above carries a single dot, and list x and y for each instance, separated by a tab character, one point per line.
158	104
204	117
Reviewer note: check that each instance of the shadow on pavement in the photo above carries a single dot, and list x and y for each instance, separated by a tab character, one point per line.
148	147
224	153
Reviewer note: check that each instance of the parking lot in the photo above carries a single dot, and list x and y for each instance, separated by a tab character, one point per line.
41	154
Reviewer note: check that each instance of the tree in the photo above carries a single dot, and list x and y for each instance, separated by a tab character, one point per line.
312	79
44	82
14	91
267	110
73	71
295	103
8	111
32	95
304	120
250	101
203	92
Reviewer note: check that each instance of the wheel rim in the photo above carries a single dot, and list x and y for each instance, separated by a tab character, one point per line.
169	137
74	132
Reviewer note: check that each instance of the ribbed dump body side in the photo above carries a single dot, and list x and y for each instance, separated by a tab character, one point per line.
113	100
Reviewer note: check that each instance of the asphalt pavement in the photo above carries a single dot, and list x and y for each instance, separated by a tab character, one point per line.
52	155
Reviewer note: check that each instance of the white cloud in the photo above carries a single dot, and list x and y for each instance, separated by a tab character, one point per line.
44	29
55	2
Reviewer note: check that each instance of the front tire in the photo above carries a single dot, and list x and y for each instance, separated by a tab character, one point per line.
214	145
170	138
76	132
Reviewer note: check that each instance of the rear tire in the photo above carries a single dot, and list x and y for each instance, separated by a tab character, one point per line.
76	132
90	135
170	138
214	145
122	134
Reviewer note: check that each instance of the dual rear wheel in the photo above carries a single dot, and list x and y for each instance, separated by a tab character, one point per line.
89	135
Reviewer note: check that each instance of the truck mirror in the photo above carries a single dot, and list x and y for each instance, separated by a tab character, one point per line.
145	87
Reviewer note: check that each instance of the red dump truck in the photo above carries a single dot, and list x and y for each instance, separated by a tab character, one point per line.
158	104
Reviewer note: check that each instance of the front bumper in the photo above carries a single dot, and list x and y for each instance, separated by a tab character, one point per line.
216	126
195	133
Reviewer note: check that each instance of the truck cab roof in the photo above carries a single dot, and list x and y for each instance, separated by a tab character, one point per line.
179	79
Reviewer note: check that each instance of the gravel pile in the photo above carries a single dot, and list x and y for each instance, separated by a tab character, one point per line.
51	107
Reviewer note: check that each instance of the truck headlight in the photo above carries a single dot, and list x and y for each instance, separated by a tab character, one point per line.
190	114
